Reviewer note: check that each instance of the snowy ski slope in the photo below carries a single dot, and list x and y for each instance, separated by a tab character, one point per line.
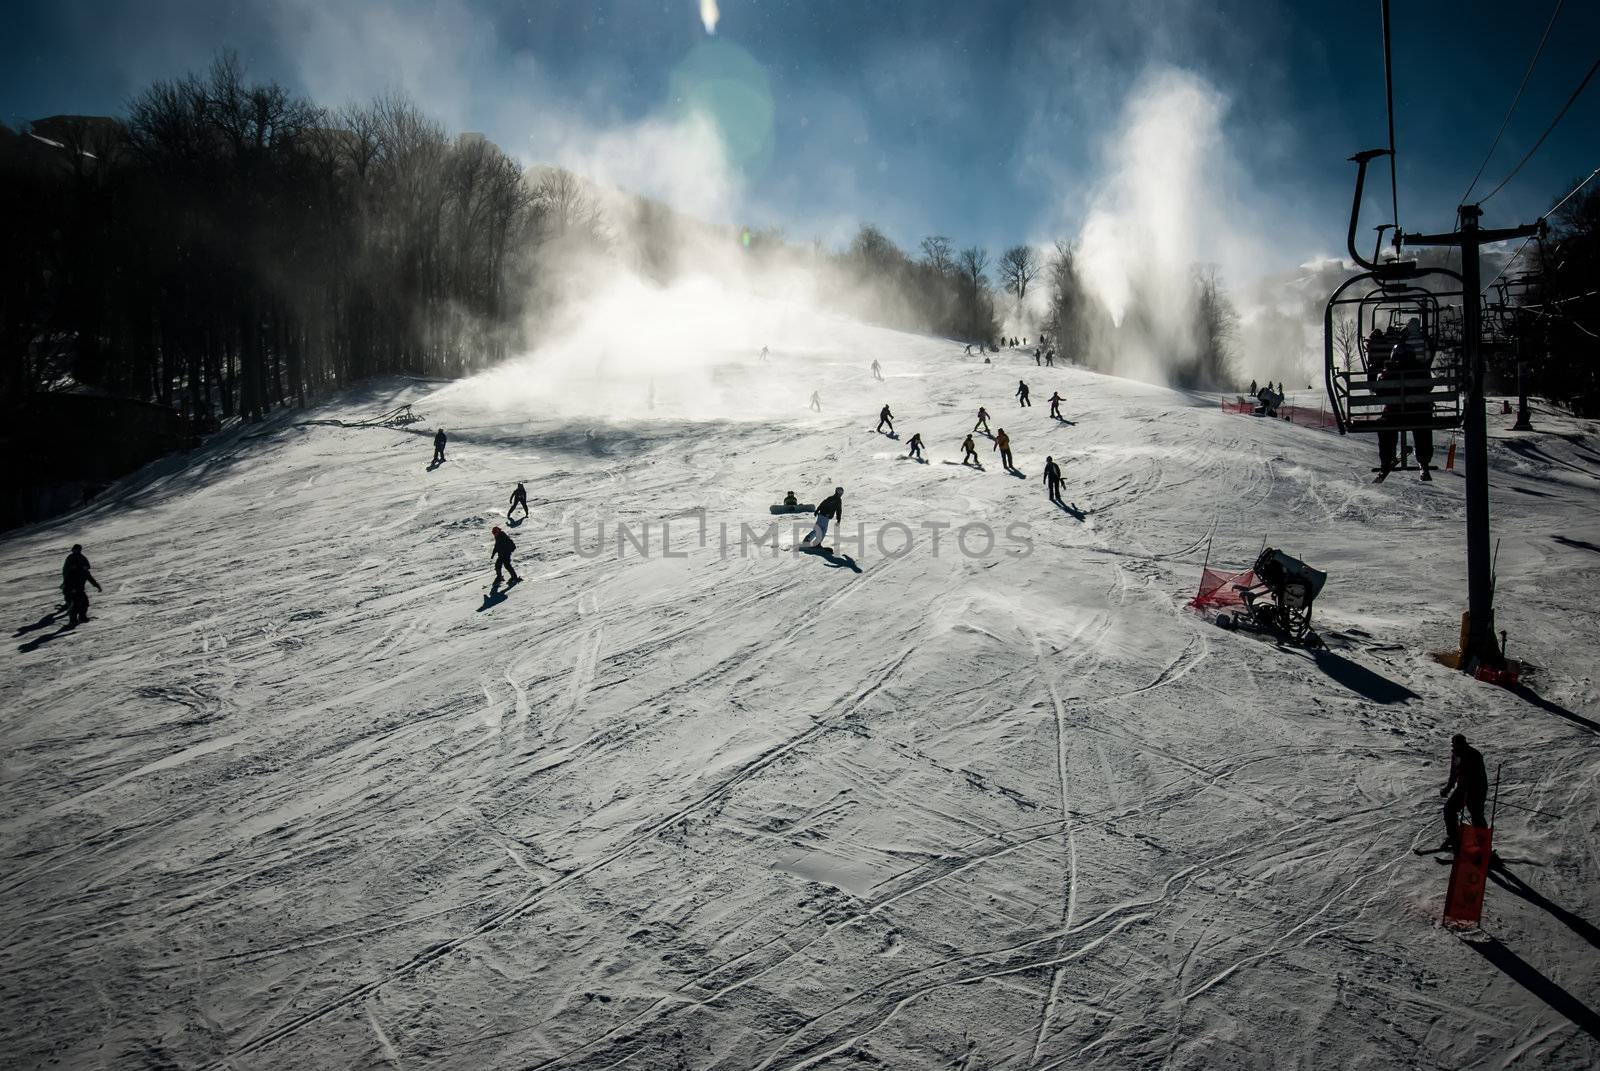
301	796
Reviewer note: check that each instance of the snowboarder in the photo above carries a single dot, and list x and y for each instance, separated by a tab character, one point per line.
1002	443
519	497
438	447
969	451
74	575
502	556
1253	388
829	509
1050	358
1055	404
1022	393
789	499
1468	787
877	370
886	417
916	447
983	421
1052	479
816	402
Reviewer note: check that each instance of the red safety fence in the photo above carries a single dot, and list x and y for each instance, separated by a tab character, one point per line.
1303	415
1216	589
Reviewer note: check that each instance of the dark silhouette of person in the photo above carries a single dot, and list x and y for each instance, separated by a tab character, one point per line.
830	509
763	353
1055	404
969	451
983	421
1022	393
1050	358
886	417
1468	787
816	402
1253	388
519	497
877	370
75	576
503	546
1408	362
1052	480
1036	357
1002	443
789	499
916	447
438	446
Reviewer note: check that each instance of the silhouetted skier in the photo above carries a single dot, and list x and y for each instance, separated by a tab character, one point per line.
816	402
763	353
519	497
438	447
1055	404
886	417
1002	443
829	509
916	447
1050	358
969	451
1052	480
502	555
1254	388
1036	357
1022	393
877	371
75	575
983	421
1468	787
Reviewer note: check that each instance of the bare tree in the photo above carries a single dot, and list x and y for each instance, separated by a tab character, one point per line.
974	261
1346	339
939	254
1018	267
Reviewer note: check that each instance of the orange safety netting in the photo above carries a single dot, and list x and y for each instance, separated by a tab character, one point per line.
1303	415
1216	588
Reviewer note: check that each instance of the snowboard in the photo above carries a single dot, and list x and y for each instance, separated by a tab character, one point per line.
798	507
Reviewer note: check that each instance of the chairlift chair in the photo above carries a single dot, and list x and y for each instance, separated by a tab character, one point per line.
1423	392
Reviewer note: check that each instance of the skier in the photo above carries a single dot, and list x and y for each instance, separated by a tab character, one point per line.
1050	359
1002	443
438	447
969	451
877	370
1022	393
886	417
502	556
1468	787
74	575
829	509
1036	357
983	420
1253	388
519	497
763	353
816	402
1052	479
1408	359
916	447
1055	404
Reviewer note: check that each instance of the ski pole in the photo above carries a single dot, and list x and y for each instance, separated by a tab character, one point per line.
1533	810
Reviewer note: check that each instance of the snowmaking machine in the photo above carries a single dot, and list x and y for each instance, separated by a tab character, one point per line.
1277	598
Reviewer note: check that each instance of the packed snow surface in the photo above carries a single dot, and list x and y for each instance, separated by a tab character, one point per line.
305	793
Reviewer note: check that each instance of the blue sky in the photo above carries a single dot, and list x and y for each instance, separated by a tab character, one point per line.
987	121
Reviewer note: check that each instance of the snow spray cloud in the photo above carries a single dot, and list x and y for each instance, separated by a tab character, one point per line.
709	15
1164	205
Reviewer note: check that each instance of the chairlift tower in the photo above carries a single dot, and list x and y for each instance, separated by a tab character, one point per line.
1482	645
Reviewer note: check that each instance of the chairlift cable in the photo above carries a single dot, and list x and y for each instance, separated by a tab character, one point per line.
1553	210
1388	90
1593	67
1514	101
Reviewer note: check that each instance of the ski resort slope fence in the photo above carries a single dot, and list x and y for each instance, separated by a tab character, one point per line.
1303	415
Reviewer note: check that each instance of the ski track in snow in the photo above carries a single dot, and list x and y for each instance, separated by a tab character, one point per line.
763	810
